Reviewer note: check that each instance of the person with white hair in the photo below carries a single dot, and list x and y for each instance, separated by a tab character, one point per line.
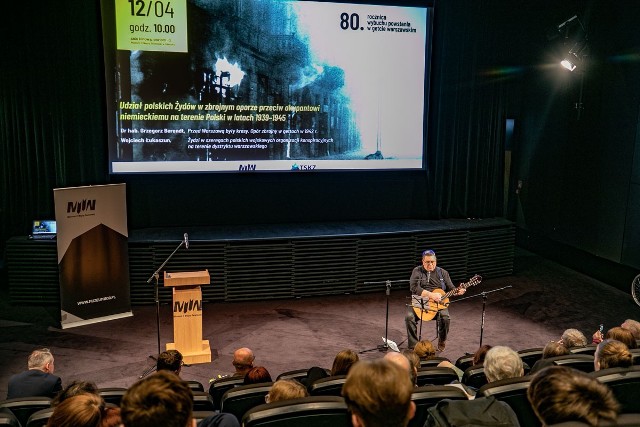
38	380
502	362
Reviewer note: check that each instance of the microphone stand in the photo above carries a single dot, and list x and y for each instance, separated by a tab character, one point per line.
155	277
385	346
484	304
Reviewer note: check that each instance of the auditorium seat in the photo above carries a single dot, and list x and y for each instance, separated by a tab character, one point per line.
297	374
239	400
112	394
23	407
530	355
39	418
427	396
195	385
436	376
433	362
201	415
218	387
464	362
588	349
635	352
8	419
581	362
312	411
513	391
625	385
474	377
330	386
202	401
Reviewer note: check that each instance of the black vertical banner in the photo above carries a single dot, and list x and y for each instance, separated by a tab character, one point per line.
93	257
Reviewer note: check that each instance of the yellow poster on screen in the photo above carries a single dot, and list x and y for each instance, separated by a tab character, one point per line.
152	25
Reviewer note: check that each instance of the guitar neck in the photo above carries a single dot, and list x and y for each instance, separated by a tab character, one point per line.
462	285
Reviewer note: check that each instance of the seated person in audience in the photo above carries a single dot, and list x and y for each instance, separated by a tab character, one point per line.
38	380
414	361
479	355
561	394
257	374
343	362
552	349
170	360
425	350
378	393
161	399
285	390
74	389
573	338
84	410
402	361
624	333
633	326
501	362
242	361
313	374
612	354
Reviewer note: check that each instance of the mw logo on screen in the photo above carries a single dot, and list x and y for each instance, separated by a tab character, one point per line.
82	206
185	306
248	167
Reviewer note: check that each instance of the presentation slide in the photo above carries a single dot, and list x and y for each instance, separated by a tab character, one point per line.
265	85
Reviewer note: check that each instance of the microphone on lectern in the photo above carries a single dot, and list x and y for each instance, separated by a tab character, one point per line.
186	240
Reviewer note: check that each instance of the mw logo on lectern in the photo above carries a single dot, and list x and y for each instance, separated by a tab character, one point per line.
185	306
84	205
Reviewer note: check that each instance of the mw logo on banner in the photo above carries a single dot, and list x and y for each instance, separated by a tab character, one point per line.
82	206
186	306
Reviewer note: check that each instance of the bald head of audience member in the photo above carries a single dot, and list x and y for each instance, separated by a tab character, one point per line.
402	361
161	399
243	361
378	393
560	394
501	363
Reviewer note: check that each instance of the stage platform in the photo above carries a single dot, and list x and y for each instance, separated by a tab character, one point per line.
280	261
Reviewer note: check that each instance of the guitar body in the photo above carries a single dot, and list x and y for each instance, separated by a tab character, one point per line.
426	309
431	308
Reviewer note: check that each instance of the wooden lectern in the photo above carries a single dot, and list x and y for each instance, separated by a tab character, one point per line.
187	315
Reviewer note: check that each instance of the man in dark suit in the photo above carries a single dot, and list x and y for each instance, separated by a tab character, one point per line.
38	380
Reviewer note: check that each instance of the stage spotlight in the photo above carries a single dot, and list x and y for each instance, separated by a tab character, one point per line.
574	58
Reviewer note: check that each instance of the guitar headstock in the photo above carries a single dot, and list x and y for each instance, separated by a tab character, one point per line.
472	282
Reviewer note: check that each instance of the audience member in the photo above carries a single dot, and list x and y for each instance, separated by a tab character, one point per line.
623	335
414	361
561	394
425	350
74	389
161	399
501	362
633	326
343	362
170	360
258	374
285	390
38	380
243	361
612	354
552	349
378	393
313	374
402	361
573	338
84	410
479	355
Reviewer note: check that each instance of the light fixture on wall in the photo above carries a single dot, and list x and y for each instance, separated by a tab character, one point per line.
575	34
575	57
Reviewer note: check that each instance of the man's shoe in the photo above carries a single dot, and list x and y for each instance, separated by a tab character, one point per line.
441	345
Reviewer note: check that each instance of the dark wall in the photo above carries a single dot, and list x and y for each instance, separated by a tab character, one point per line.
579	183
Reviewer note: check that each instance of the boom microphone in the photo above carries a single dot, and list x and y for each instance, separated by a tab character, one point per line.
186	240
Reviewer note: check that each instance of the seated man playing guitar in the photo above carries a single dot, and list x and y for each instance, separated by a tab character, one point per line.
428	284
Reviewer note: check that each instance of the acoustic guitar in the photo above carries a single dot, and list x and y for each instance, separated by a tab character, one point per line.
426	309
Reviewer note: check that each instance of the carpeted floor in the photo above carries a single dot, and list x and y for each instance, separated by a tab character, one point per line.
539	301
